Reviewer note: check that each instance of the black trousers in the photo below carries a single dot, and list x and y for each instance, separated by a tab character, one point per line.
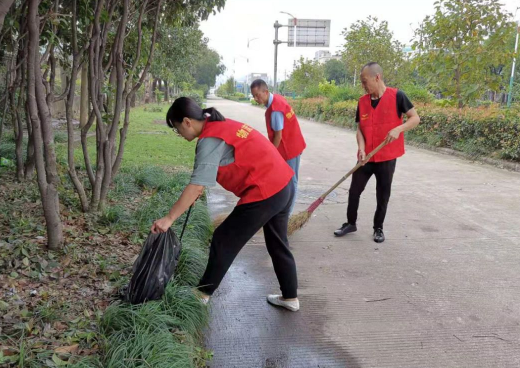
384	173
228	239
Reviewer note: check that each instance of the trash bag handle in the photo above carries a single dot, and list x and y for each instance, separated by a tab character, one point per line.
186	222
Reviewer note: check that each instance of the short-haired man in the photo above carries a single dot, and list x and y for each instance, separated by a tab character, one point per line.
380	118
283	128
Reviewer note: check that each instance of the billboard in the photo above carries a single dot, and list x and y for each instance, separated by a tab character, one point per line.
309	32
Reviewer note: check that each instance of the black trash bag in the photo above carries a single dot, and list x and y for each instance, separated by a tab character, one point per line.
154	267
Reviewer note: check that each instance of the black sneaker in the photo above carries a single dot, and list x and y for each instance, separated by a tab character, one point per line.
345	229
379	236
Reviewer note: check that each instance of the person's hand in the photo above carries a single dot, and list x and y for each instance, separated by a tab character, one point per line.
393	135
162	225
361	156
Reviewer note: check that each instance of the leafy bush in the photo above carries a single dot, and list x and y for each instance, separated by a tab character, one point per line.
60	137
194	94
327	89
312	92
444	102
417	93
482	131
347	92
153	108
476	131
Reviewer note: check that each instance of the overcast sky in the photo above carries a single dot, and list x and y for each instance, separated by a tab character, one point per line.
240	20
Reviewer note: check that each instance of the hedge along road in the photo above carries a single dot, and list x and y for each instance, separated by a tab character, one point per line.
441	291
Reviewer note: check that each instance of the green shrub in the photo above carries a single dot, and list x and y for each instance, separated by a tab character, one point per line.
417	93
347	92
476	131
60	137
196	95
444	102
327	89
7	149
312	92
113	215
153	108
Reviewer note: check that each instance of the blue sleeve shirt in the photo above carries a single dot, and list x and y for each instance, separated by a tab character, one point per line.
276	116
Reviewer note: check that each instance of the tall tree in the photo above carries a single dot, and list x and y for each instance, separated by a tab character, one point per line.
306	74
335	70
43	139
371	40
464	46
208	67
116	40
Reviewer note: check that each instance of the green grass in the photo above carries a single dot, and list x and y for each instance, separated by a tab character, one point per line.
165	333
148	143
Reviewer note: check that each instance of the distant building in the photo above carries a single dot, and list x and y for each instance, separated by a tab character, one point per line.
409	52
322	56
254	76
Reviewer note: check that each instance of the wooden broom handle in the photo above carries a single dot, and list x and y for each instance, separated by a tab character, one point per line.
359	164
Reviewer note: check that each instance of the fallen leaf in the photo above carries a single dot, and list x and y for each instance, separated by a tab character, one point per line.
60	326
66	262
58	361
67	349
7	351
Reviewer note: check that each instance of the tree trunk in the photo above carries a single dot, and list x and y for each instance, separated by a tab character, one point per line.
5	5
18	135
83	107
2	118
42	134
68	112
459	94
166	92
133	101
17	82
5	104
154	87
131	89
30	164
118	96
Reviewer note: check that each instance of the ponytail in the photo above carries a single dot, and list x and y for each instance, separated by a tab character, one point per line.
185	107
213	114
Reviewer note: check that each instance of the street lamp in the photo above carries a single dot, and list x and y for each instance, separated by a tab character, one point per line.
251	39
294	21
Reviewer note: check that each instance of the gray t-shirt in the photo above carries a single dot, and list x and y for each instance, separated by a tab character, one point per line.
209	155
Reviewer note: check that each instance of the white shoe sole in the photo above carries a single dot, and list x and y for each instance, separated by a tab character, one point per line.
276	301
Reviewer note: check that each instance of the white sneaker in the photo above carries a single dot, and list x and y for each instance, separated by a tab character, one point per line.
292	305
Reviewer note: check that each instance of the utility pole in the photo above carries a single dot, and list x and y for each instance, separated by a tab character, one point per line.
510	94
276	42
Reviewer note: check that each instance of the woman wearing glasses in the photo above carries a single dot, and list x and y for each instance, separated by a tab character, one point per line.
244	162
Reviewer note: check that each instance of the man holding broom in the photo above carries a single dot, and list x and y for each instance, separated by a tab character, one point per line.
283	128
380	118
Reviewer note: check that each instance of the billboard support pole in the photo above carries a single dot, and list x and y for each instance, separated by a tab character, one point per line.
276	43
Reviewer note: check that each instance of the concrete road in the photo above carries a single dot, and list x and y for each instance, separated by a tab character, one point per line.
442	291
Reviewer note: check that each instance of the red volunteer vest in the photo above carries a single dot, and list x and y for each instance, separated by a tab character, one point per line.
376	123
258	171
292	144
